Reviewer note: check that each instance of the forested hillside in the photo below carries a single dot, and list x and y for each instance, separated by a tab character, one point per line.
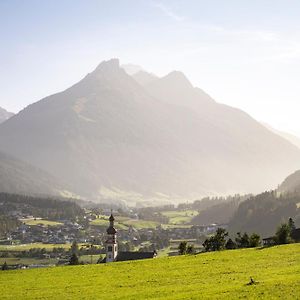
264	213
44	207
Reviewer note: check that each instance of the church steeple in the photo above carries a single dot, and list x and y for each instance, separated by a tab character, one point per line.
111	242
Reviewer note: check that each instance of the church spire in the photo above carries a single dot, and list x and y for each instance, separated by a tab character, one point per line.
111	242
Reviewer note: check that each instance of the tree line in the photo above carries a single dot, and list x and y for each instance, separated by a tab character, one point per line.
220	240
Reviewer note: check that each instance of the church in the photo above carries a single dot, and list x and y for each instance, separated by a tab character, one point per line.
111	246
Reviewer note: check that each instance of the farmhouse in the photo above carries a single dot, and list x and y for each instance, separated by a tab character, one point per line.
112	253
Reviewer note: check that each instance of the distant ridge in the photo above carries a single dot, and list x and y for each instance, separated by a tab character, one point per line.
22	178
290	137
112	138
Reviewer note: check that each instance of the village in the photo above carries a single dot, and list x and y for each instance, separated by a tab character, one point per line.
38	241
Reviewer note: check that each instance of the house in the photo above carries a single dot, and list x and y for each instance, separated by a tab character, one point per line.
112	253
270	241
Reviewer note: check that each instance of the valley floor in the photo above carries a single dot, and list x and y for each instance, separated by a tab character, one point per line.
218	275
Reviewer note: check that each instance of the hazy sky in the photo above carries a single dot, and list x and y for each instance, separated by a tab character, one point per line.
243	53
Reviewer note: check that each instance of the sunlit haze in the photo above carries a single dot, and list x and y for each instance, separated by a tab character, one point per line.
243	53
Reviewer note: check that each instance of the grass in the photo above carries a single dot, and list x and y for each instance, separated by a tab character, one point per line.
34	222
180	217
172	226
140	224
24	247
123	223
218	275
87	259
27	261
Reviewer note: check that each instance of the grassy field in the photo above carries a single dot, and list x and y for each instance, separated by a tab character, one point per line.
219	275
180	217
24	247
27	261
124	223
34	222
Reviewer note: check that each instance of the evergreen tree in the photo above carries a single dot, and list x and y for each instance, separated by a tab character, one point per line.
230	244
190	249
245	242
182	248
291	224
254	240
74	248
283	234
74	260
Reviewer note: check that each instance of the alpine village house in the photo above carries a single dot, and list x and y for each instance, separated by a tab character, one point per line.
112	253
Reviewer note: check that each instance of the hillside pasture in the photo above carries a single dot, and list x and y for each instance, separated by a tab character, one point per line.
123	223
38	221
180	217
216	275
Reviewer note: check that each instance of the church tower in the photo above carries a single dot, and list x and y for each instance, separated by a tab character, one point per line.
111	242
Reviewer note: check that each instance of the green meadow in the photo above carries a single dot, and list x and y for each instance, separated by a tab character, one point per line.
124	223
26	247
180	217
216	275
34	222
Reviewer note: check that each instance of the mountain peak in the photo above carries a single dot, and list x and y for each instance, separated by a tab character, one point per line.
177	77
109	65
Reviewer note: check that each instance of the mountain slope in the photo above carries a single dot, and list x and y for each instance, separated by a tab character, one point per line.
19	177
290	137
4	115
144	78
110	137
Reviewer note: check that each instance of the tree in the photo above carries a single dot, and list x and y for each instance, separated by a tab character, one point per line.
254	240
182	248
4	266
230	244
291	224
217	241
190	249
74	248
283	233
242	241
245	242
74	260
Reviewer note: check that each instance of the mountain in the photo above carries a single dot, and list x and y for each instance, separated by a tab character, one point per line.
263	213
19	177
111	137
131	69
4	115
144	78
289	137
